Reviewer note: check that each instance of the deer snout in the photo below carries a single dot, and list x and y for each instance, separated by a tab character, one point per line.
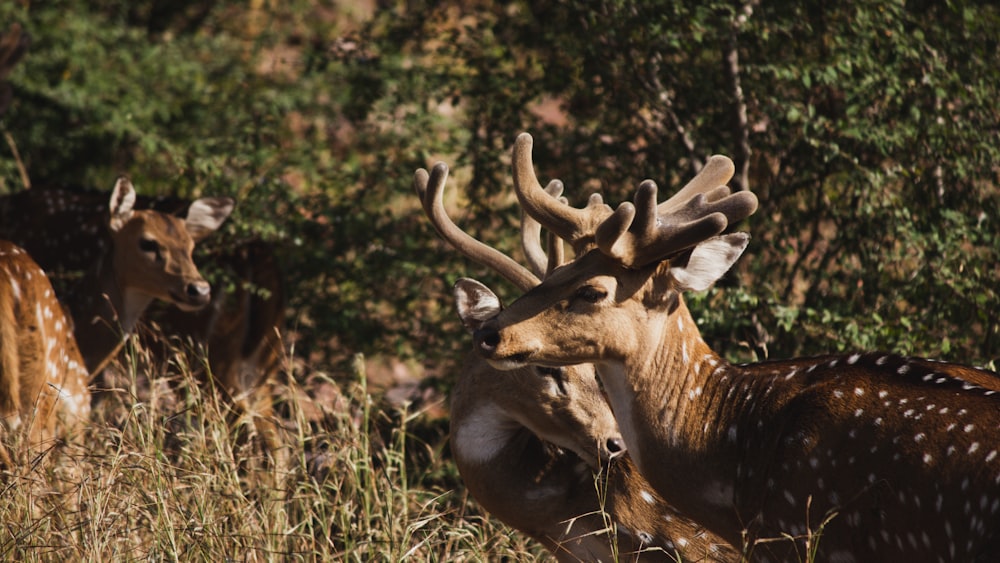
198	293
613	447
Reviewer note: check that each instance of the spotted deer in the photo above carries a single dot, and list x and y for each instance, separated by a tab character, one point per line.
43	381
880	457
240	329
48	357
528	452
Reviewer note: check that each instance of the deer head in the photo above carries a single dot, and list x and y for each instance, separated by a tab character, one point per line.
562	406
640	256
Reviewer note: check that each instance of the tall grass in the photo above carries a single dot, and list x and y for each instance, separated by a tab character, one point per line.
161	475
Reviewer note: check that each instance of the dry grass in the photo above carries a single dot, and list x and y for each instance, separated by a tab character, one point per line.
158	478
161	475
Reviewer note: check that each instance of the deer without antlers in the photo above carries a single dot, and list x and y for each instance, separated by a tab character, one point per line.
43	381
149	258
64	231
527	453
899	457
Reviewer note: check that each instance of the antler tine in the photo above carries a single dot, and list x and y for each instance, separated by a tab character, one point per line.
717	171
531	236
430	189
639	235
557	251
575	226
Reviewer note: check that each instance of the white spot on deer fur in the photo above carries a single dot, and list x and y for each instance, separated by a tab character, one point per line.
647	497
881	361
973	447
903	369
928	458
838	393
969	428
991	456
878	422
858	413
789	497
853	359
919	437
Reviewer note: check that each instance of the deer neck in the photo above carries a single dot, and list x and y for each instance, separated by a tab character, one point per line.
104	314
674	412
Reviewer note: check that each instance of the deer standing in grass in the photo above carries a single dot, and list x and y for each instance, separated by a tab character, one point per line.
240	329
149	258
889	457
528	451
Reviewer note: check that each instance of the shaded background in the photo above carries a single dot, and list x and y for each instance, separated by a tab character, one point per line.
870	131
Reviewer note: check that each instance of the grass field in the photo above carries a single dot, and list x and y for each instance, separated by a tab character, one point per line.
160	476
163	473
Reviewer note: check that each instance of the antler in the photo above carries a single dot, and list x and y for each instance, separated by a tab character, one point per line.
575	226
430	189
641	233
716	172
542	263
638	235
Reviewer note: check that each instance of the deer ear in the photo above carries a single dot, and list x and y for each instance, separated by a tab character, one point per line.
122	200
207	214
475	302
708	261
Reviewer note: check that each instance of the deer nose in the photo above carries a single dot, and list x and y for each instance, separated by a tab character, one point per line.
616	446
487	340
199	291
613	448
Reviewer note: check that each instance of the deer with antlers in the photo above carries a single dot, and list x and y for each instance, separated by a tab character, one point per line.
149	258
887	456
528	451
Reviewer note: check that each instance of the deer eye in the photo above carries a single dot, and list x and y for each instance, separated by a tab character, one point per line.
591	294
149	246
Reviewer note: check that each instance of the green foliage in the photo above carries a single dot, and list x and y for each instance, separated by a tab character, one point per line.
872	145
